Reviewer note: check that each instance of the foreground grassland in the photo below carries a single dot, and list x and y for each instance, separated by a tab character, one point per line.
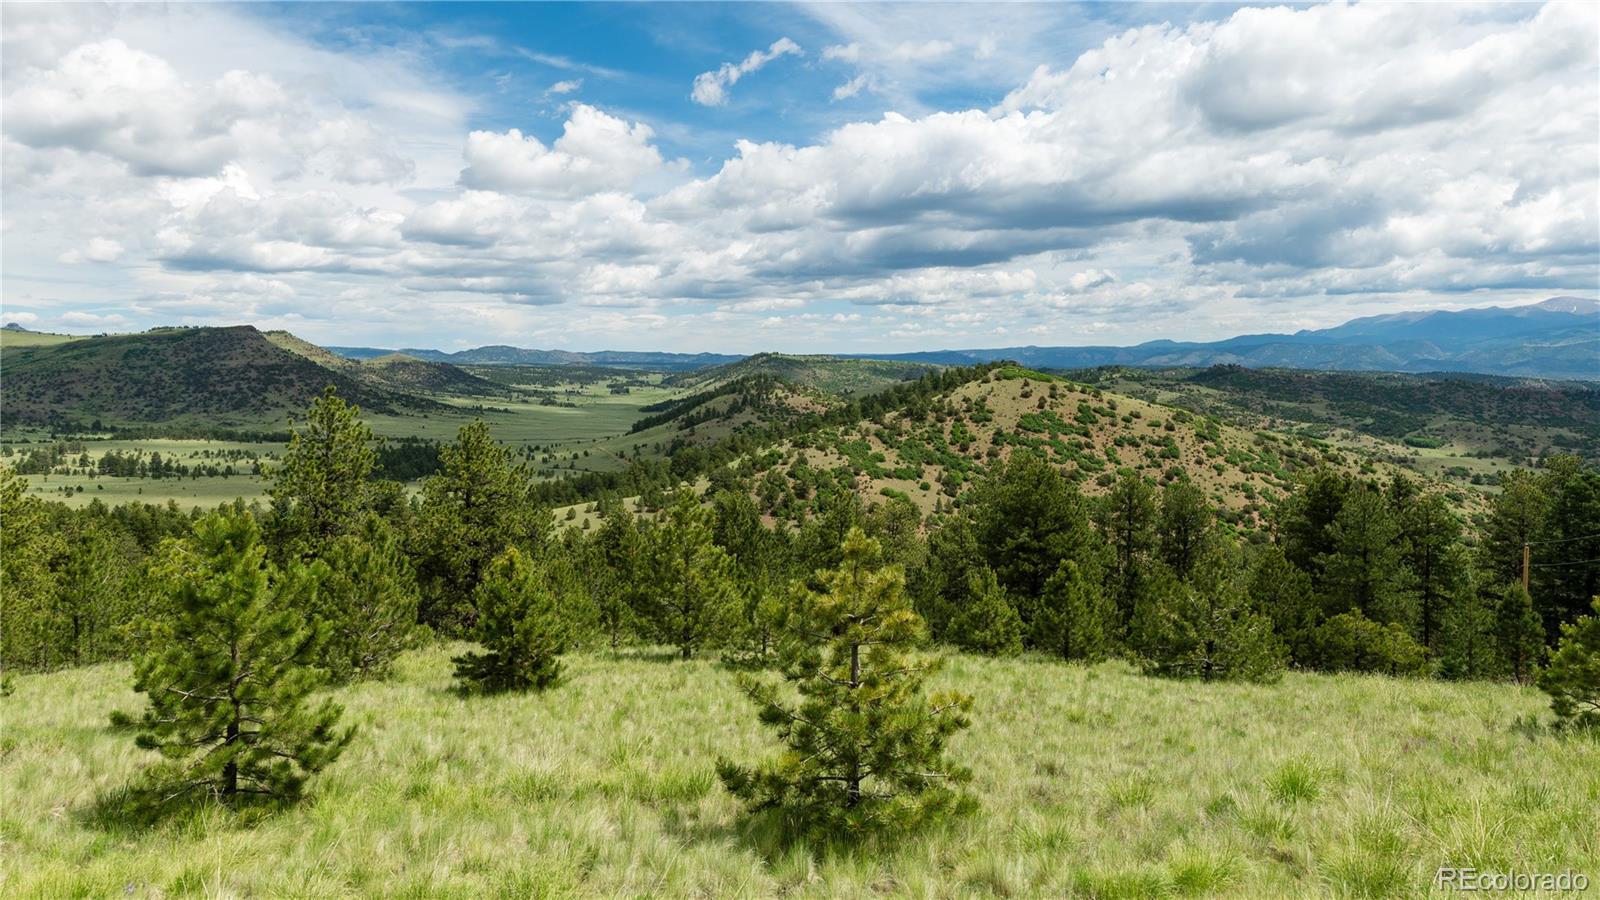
1093	782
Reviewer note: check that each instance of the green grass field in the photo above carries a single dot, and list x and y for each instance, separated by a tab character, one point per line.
1093	782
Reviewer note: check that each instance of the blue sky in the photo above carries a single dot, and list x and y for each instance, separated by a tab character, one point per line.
802	177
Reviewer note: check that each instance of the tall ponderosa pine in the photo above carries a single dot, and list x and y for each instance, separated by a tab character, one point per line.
1562	592
1572	677
1127	518
1074	618
320	490
688	595
761	562
1365	571
865	746
1469	648
369	600
1433	552
471	510
1517	516
522	627
1304	520
231	674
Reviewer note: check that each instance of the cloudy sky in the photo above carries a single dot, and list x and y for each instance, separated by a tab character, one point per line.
805	178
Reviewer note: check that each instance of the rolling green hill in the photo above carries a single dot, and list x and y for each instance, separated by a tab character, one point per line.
231	377
930	451
829	374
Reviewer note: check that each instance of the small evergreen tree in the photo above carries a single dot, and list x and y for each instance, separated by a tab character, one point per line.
369	601
1352	642
1282	592
229	679
689	596
1206	627
1572	677
865	747
1074	616
476	506
1519	633
1468	647
522	628
989	622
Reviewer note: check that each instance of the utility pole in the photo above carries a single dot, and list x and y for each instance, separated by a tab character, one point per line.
1525	555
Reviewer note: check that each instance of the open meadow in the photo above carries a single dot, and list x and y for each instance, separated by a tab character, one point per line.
1090	781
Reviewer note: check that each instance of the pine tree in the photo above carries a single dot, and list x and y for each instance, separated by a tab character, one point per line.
522	627
1572	677
1351	642
865	747
1468	645
1562	592
1365	571
1282	592
938	584
614	557
320	489
368	600
1074	616
1518	633
471	510
1304	520
1025	519
1206	627
1127	518
28	541
1184	526
689	596
1433	552
93	597
989	622
1517	516
229	681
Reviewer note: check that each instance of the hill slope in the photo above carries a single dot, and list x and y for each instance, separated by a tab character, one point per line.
1515	419
931	451
831	374
221	377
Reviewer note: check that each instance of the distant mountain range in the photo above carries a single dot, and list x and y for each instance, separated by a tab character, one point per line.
1558	338
500	355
